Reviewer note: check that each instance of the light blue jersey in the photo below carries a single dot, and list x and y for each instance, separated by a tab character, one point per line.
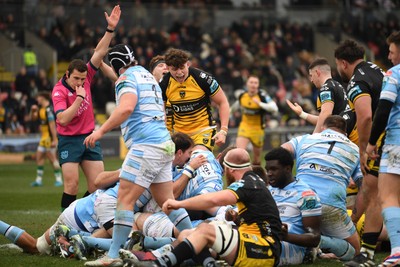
146	124
295	202
390	92
207	178
84	212
326	161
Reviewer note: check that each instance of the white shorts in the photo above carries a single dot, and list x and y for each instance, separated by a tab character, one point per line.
291	254
336	223
104	208
158	225
146	164
151	206
67	218
390	161
43	149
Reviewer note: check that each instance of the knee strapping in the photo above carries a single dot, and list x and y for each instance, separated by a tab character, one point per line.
225	239
42	246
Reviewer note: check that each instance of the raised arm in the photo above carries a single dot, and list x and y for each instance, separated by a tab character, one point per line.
108	72
102	47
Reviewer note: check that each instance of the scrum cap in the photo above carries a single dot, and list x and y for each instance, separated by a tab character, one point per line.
120	56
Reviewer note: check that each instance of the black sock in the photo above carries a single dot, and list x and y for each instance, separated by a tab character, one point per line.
182	252
369	240
66	200
204	258
86	194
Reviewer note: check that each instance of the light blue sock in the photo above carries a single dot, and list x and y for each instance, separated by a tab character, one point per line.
100	243
180	218
391	217
156	242
78	232
122	227
11	232
341	248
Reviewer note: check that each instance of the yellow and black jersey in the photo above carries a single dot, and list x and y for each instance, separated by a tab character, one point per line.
253	116
46	115
168	114
351	124
366	80
258	212
190	100
332	91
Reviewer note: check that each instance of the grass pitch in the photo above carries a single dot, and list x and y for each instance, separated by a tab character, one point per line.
35	209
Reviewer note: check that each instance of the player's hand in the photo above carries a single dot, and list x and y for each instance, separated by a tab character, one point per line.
352	184
170	204
90	141
363	162
219	138
231	215
285	231
295	107
197	161
80	90
372	151
113	19
256	100
54	143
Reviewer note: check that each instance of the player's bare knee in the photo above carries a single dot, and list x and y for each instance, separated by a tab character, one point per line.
185	233
208	231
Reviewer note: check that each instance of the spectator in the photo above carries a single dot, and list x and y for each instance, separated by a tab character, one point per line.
30	61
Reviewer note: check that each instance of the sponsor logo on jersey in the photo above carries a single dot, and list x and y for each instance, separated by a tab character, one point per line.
214	86
325	96
353	92
308	193
321	168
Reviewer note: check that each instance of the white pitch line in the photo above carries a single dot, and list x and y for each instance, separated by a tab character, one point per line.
33	212
11	246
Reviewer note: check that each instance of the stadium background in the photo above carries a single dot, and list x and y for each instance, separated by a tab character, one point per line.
230	39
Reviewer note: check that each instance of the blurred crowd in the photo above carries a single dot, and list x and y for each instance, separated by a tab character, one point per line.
278	50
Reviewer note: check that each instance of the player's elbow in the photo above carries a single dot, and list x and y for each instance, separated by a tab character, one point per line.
274	108
62	121
126	111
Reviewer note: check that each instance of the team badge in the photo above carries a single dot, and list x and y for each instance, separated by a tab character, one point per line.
64	154
205	141
182	94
